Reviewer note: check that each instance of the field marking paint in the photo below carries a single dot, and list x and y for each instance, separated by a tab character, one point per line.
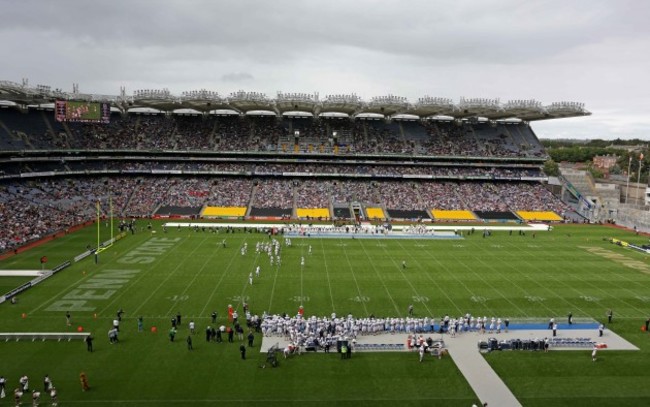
177	297
354	277
621	259
470	269
178	267
614	256
488	266
67	288
327	273
302	272
618	258
379	277
142	275
507	264
275	280
214	290
415	291
258	400
478	299
535	265
433	280
251	267
197	273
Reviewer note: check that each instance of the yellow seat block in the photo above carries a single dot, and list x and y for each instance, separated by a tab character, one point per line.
375	213
539	215
313	212
230	211
452	215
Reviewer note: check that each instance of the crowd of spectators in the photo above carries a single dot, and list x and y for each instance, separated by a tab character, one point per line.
481	196
231	192
274	193
191	192
400	195
148	195
268	168
441	195
530	197
347	191
313	194
268	133
32	209
35	208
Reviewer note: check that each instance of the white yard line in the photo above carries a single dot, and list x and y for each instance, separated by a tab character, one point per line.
196	275
495	270
453	275
327	273
275	279
347	258
379	277
401	269
178	267
535	264
612	284
214	290
613	297
435	282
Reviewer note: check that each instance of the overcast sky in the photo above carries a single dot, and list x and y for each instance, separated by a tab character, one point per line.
592	51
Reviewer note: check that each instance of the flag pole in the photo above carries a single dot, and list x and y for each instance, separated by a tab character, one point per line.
627	188
98	224
110	206
98	229
638	178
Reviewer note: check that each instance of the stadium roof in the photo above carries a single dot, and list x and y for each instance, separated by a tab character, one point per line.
242	102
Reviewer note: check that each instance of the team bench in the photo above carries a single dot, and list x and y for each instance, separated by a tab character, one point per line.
43	336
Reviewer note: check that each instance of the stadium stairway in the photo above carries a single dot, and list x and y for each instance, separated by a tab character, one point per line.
249	206
50	129
68	135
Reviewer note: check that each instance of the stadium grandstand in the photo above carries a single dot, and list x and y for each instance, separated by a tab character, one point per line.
249	156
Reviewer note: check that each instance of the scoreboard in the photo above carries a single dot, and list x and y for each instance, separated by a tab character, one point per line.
85	112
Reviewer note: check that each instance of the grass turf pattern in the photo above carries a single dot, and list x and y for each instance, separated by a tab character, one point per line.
520	277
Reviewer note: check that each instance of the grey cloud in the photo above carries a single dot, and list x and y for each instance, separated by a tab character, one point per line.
593	51
237	77
507	31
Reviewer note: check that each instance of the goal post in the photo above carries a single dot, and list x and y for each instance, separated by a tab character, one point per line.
101	246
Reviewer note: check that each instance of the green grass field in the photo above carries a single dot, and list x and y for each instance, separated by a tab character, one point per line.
156	276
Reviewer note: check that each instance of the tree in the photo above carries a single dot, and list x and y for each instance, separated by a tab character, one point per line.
551	168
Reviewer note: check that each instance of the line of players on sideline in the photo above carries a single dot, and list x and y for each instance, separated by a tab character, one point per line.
23	388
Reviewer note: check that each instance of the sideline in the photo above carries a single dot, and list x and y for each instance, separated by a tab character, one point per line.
463	349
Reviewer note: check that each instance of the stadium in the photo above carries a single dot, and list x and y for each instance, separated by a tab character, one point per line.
382	219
